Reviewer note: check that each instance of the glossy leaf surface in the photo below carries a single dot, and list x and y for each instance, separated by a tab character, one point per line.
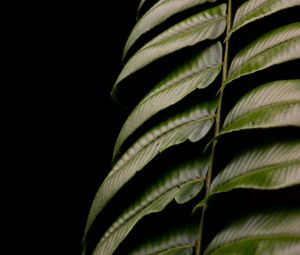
270	167
191	125
253	10
155	200
275	47
160	12
274	233
199	72
208	24
273	104
177	242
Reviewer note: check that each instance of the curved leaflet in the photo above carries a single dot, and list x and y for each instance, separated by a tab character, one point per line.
208	24
191	125
273	104
160	12
199	72
275	47
273	233
155	200
253	10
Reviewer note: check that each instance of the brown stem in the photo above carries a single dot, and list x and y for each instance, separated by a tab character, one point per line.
198	246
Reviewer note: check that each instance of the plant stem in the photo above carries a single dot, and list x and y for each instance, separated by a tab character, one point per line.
198	245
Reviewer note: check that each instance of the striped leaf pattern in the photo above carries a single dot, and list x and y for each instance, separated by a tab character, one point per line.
208	24
174	243
160	12
271	105
155	200
191	125
199	72
270	167
264	233
275	47
253	10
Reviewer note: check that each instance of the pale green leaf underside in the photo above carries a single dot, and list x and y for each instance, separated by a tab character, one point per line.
183	250
191	125
189	190
253	10
180	242
141	5
208	24
113	240
273	233
275	47
270	105
199	72
160	12
271	167
279	245
155	200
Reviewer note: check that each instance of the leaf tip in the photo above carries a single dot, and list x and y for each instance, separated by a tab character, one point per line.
114	97
199	205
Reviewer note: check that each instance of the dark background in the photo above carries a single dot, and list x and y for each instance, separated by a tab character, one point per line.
87	56
3	135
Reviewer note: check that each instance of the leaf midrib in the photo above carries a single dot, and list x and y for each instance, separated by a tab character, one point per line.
181	33
155	7
261	108
260	53
148	13
257	237
241	23
173	247
158	137
260	169
153	200
254	10
175	84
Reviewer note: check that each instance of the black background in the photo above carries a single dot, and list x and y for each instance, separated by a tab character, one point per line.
3	135
87	50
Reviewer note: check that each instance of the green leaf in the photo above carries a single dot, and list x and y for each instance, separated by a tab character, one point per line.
274	166
191	125
188	191
275	233
199	72
179	242
155	200
275	47
160	12
253	10
273	104
183	250
200	204
140	6
270	167
208	24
